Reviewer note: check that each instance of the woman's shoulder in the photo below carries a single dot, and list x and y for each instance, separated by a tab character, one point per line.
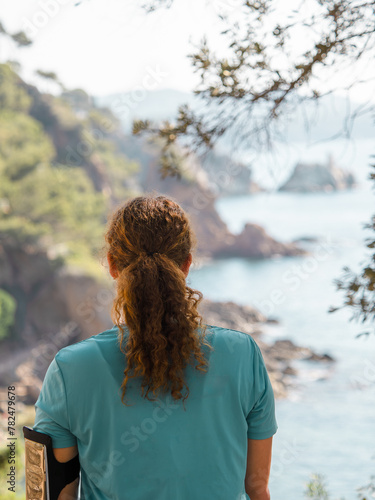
233	340
89	346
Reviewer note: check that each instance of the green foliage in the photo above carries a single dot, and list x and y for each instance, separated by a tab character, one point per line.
367	491
59	203
259	72
119	168
19	494
359	288
77	99
316	488
102	120
173	159
107	154
21	39
55	205
12	94
48	75
20	231
23	144
14	65
7	313
25	416
64	113
167	134
41	203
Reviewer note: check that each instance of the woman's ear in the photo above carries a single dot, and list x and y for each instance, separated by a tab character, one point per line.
112	266
186	265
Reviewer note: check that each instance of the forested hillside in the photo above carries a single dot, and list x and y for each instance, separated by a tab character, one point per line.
56	187
64	165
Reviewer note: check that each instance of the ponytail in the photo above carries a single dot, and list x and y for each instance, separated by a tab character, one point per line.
149	240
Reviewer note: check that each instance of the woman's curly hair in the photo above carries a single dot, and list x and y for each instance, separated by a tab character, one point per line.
149	239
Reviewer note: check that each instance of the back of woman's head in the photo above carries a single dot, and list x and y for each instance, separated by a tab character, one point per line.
148	240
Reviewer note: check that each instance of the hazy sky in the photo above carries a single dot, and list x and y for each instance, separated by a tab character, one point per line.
106	46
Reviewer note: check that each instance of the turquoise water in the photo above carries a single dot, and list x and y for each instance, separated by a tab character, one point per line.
327	425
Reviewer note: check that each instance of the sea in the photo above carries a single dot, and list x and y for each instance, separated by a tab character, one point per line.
327	422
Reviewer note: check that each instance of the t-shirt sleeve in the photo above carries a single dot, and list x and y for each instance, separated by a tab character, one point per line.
52	416
261	419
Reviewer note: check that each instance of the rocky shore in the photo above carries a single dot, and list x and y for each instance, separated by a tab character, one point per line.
278	355
26	364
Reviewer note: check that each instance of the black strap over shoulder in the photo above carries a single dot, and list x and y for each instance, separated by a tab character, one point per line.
58	474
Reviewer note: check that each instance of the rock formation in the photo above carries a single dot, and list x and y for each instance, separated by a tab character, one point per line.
226	177
318	177
254	242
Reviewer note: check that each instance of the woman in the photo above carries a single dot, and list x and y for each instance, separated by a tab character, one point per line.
161	406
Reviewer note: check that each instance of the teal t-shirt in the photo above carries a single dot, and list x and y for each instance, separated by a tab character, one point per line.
156	449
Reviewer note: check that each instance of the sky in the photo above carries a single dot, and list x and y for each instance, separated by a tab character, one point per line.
108	46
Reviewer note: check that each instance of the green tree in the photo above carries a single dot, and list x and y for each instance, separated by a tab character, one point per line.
359	288
13	95
54	206
42	202
258	80
23	144
7	314
316	488
368	489
263	71
20	37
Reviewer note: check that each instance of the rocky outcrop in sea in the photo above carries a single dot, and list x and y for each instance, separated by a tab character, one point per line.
318	177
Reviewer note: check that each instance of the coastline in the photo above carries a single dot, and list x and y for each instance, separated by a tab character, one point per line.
279	355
